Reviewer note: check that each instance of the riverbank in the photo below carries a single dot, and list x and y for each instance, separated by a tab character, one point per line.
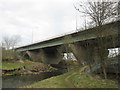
24	80
75	79
24	67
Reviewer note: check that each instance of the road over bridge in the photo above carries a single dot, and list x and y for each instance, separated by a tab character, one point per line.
83	44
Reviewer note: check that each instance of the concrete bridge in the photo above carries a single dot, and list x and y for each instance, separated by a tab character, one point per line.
84	45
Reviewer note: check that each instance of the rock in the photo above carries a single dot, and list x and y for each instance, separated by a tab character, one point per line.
21	61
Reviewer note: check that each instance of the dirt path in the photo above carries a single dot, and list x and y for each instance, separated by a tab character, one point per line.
68	82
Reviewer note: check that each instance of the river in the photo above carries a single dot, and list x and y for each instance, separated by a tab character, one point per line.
23	80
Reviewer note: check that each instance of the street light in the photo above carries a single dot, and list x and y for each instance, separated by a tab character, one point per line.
77	9
34	28
76	19
32	36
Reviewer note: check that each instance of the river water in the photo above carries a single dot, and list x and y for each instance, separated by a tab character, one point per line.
23	80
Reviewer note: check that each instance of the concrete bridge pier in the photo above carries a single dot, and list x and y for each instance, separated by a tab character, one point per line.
36	55
87	54
81	53
24	55
45	56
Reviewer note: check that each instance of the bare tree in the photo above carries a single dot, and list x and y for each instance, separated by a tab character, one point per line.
10	42
100	13
6	43
15	40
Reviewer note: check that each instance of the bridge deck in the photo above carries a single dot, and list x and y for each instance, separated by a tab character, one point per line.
88	34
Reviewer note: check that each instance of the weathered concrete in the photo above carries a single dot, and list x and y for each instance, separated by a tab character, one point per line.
79	51
45	56
88	53
36	55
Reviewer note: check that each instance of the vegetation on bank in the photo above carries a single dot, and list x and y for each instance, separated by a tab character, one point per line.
15	68
17	64
78	80
24	67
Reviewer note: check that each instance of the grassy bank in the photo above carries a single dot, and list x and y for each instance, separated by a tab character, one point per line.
13	65
8	66
24	67
75	79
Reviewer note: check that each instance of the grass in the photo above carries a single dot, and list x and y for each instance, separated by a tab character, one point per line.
85	80
10	65
7	66
29	67
78	80
16	65
53	82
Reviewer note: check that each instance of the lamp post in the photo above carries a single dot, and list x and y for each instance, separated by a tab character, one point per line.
33	32
76	19
85	22
32	36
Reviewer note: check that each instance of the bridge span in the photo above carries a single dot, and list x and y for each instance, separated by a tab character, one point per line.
83	44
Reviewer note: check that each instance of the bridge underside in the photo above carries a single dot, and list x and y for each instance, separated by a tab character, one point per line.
86	51
47	55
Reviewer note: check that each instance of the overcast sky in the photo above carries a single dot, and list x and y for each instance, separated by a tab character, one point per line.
47	18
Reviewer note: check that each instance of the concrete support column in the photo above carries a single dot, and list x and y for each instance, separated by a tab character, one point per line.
47	56
53	56
88	54
37	56
80	52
